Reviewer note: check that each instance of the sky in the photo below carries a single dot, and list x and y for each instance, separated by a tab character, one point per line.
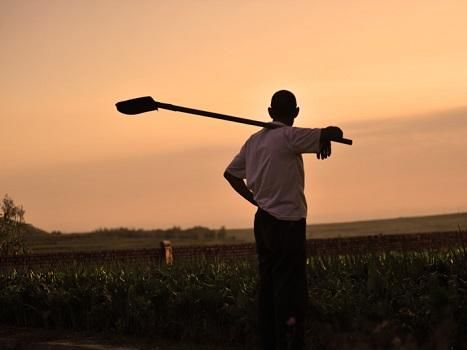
392	75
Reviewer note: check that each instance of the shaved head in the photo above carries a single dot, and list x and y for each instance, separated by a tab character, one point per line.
283	106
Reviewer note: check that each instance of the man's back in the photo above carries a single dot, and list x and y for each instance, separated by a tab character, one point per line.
271	162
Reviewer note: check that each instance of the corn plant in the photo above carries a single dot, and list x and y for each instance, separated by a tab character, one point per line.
379	296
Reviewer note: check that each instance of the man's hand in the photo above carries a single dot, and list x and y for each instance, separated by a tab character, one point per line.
240	187
331	133
327	135
325	150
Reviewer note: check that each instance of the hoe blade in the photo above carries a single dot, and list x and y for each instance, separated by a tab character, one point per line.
137	105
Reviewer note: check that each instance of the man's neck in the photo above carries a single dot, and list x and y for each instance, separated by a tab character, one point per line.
285	122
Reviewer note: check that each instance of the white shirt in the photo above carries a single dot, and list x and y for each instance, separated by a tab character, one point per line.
272	164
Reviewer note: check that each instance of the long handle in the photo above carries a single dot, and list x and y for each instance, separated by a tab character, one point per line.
231	118
147	103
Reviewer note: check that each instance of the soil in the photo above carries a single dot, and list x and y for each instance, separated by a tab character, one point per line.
12	338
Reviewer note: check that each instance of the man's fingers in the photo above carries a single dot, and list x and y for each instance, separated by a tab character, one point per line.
325	150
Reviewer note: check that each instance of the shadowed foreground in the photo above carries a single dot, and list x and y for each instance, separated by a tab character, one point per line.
397	300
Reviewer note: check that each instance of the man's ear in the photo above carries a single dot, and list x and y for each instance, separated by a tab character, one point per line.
271	112
297	110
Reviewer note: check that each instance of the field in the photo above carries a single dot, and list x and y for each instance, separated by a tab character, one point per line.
414	299
385	301
421	224
121	238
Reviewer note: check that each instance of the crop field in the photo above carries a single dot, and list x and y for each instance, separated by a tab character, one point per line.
122	238
435	223
411	300
385	291
358	245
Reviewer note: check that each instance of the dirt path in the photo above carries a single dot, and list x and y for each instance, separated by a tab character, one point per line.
39	339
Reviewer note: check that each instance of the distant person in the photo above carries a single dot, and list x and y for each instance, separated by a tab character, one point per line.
271	162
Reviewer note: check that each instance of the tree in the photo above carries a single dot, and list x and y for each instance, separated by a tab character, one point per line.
222	233
12	228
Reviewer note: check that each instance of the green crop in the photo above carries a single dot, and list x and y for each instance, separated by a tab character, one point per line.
394	295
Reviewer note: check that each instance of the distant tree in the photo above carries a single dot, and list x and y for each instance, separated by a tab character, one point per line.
222	233
173	233
12	228
209	235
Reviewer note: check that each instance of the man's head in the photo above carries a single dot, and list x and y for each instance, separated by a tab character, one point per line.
283	107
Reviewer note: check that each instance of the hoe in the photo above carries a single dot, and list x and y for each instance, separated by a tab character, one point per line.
147	103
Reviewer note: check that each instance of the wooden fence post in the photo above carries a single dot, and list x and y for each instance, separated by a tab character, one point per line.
167	253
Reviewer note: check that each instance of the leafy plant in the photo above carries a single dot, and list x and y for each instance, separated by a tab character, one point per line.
414	298
12	228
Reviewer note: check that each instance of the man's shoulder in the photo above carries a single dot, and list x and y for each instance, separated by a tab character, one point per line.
257	135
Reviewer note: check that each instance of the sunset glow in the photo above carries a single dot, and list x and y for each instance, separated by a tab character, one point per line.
393	75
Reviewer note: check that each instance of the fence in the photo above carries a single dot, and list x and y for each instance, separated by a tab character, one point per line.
331	246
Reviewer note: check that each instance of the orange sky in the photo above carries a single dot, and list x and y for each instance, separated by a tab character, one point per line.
392	74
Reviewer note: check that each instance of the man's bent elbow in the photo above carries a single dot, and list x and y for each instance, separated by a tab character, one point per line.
232	179
228	176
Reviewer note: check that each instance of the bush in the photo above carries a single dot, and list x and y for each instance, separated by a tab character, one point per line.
12	228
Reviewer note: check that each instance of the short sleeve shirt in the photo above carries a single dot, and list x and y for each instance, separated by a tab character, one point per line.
272	164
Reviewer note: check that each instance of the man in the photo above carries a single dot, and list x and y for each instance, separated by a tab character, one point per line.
271	162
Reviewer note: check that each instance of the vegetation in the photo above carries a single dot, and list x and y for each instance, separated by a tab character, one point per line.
123	238
409	299
11	228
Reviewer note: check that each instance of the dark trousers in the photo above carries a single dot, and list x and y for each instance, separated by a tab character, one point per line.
282	290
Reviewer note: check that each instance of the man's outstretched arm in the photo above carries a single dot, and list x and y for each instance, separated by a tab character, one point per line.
240	187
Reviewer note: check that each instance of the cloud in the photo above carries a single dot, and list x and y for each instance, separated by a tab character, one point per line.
448	121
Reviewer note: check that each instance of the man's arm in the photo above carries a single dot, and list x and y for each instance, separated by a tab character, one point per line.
240	187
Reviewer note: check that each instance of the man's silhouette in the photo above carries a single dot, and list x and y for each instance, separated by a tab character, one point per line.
271	162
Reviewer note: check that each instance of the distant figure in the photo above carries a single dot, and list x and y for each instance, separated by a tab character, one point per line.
271	162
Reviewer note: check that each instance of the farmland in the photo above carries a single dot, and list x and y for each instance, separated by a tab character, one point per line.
421	224
123	238
382	291
411	300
